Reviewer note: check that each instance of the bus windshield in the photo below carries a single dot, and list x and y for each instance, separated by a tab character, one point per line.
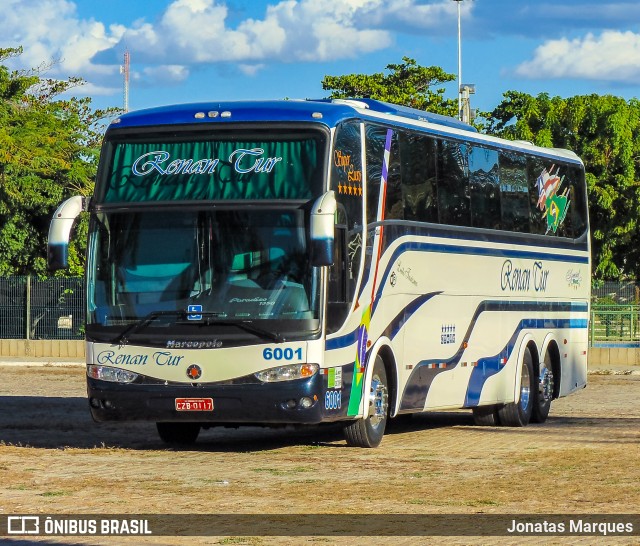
189	266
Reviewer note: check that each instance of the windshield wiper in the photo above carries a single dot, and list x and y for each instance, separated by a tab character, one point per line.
123	338
246	325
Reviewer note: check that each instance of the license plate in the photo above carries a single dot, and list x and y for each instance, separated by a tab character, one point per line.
194	404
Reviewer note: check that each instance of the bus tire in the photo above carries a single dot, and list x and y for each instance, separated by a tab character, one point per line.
518	413
368	431
178	433
486	416
543	394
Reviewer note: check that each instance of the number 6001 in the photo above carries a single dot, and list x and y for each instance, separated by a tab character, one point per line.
282	354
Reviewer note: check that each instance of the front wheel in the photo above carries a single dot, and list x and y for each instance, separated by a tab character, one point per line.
178	433
518	413
368	432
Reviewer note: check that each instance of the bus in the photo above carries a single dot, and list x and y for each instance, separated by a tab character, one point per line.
298	262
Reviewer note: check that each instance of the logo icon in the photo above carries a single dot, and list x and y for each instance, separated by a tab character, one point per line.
194	371
196	312
23	525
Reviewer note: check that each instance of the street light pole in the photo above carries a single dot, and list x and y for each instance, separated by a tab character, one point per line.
459	62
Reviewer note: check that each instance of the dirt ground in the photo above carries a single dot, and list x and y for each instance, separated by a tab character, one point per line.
55	460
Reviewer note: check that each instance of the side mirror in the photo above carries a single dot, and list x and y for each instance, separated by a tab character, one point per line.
60	231
322	229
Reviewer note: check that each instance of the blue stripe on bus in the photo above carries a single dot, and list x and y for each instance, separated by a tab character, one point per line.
342	341
417	386
403	316
490	366
392	329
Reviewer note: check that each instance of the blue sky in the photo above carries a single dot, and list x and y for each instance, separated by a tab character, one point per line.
195	50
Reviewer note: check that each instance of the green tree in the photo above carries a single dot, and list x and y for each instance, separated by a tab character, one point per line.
604	131
408	84
48	152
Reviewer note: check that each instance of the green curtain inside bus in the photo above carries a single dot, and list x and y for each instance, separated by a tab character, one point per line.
213	170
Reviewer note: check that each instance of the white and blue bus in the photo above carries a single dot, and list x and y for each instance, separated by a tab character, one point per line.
300	262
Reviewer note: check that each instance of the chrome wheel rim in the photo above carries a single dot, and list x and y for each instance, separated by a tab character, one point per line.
545	385
525	387
378	402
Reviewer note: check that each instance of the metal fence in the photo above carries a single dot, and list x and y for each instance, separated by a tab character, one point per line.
34	308
615	314
614	325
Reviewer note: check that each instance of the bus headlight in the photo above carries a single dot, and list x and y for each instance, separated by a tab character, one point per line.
287	373
107	373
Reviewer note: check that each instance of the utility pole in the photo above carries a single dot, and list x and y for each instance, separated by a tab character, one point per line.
124	70
465	113
459	62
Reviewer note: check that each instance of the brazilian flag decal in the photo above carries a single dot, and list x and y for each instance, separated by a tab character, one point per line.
557	206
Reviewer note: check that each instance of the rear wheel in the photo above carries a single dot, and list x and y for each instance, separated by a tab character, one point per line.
543	394
518	413
368	432
178	433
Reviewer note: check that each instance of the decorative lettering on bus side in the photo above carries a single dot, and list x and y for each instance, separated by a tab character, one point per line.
240	158
574	279
520	279
160	358
354	176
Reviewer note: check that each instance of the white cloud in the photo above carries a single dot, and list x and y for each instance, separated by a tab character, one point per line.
611	56
192	32
167	74
196	31
50	29
411	16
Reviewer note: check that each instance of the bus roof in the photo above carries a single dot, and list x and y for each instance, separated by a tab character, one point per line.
328	112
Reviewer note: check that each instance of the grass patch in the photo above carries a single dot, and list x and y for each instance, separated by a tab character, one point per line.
53	494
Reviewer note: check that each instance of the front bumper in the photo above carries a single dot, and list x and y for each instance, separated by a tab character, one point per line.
262	403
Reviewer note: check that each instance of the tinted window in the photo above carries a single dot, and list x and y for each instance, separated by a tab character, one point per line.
484	185
576	219
394	207
537	204
347	182
375	140
453	183
419	187
514	192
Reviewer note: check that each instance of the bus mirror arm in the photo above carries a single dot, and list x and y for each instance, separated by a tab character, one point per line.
60	231
322	229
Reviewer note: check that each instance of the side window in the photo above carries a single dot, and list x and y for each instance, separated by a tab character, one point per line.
560	203
394	208
453	183
514	192
347	182
419	189
375	137
484	188
567	214
374	141
537	201
577	215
